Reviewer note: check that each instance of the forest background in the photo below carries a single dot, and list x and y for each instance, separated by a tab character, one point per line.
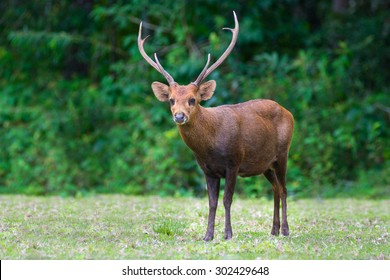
78	117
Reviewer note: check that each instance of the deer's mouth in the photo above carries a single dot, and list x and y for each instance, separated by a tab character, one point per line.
181	121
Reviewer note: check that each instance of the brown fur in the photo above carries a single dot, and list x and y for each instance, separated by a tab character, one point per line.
245	139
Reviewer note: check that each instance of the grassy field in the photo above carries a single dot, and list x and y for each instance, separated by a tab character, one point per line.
126	227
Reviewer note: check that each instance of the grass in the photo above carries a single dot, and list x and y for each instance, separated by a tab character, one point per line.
126	227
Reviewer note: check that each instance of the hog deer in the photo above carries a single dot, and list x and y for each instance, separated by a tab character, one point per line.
245	139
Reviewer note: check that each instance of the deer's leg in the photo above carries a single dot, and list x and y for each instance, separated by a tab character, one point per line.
285	228
213	192
280	170
271	177
230	183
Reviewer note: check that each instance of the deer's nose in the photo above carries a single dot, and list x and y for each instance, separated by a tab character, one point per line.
179	117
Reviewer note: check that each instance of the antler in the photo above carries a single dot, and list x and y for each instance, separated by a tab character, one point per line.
202	74
207	71
156	65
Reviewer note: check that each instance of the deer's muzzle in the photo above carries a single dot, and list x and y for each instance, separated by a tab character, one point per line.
180	118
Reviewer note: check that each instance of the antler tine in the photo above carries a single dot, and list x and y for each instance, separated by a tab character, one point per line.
227	51
155	65
141	48
163	71
201	75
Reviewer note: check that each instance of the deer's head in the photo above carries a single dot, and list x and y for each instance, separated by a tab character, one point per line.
185	99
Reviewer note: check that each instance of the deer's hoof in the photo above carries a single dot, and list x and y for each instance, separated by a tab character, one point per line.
228	235
275	231
208	238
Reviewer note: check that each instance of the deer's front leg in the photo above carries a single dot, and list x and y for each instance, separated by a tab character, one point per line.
213	185
230	183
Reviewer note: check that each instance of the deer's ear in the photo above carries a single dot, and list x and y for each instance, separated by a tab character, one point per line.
161	91
206	90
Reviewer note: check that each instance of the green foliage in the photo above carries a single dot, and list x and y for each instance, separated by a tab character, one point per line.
77	114
169	227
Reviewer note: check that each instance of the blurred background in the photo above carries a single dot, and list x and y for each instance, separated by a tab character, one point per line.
78	117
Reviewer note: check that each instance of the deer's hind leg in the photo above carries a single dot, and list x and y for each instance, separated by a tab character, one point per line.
271	177
277	177
280	169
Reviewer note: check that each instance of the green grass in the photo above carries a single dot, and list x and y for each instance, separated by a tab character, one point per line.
127	227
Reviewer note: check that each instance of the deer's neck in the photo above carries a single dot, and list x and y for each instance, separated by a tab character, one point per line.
199	133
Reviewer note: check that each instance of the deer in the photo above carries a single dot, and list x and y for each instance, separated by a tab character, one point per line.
244	139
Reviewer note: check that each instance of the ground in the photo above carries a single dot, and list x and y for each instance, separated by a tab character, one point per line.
128	227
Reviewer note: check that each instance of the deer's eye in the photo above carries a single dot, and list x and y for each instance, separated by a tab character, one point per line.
172	101
191	102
